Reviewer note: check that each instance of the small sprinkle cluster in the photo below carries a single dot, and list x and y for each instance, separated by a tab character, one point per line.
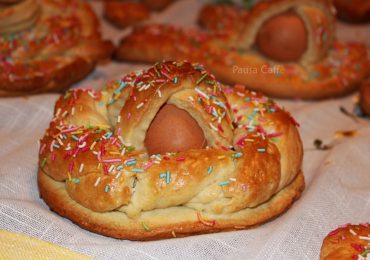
252	116
114	157
363	251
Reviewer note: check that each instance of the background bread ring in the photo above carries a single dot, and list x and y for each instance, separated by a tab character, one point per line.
20	16
123	14
324	71
346	242
42	61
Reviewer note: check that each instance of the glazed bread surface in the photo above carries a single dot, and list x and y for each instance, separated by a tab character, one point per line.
95	170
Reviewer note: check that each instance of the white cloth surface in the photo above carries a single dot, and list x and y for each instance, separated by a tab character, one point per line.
337	180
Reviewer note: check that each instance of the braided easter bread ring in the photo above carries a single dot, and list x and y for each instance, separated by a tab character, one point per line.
61	46
94	167
325	69
347	242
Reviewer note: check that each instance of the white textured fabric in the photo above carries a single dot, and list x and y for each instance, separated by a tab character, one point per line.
337	180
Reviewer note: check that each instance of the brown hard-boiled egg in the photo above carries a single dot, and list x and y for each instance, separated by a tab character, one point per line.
173	130
283	37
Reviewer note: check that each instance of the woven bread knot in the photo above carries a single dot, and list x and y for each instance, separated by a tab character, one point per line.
95	144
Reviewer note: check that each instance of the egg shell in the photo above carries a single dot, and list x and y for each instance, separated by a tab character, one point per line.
173	130
283	37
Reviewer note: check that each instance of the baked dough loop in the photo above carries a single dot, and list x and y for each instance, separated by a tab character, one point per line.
123	13
59	44
94	168
347	242
326	68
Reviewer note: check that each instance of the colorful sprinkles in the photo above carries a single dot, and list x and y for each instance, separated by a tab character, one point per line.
145	226
224	183
167	176
117	161
361	246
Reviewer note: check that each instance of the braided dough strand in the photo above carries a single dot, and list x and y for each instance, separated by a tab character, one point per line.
94	150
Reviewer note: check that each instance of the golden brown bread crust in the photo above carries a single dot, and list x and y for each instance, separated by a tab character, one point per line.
365	97
94	149
58	51
116	224
123	13
347	242
327	69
